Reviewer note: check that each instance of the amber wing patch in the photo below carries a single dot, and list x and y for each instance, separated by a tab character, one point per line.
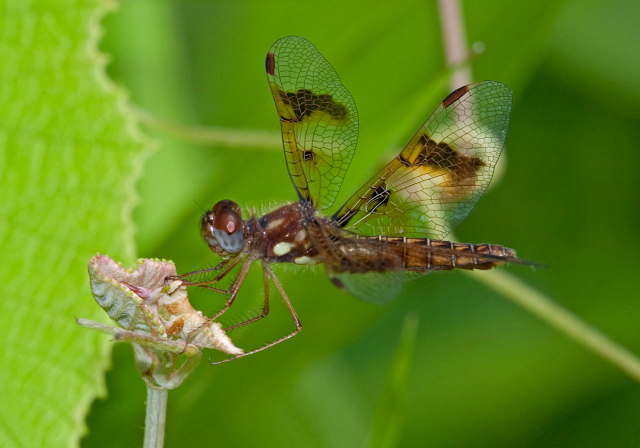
435	181
318	119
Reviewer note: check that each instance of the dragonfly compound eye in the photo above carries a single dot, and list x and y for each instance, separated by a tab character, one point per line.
223	228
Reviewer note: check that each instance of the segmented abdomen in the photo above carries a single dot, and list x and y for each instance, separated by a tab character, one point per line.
423	254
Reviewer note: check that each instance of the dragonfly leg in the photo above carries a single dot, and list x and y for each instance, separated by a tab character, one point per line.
268	274
265	305
232	291
226	266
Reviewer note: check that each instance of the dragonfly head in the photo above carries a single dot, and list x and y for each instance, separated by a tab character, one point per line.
223	228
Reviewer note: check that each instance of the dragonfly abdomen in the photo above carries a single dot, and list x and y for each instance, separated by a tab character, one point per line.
423	254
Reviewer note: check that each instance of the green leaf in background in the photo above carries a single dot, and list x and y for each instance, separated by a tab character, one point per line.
68	166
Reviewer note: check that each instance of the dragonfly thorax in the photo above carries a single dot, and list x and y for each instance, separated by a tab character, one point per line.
281	235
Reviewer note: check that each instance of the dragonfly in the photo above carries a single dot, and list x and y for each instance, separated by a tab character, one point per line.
393	228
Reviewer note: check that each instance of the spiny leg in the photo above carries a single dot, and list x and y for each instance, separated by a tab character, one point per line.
227	266
267	272
232	291
219	266
265	306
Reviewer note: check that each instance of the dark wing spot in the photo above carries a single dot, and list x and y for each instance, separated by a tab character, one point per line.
379	198
454	96
403	160
270	63
304	103
307	155
438	155
462	169
444	157
325	103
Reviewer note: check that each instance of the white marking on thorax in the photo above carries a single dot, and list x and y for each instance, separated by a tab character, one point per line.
305	260
300	237
275	223
282	248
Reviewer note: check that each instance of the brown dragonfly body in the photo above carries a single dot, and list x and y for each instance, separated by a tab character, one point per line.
296	233
393	228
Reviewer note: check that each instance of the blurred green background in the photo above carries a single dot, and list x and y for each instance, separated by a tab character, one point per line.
485	373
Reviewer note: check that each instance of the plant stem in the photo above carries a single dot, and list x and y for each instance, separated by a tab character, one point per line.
250	138
155	418
560	318
454	41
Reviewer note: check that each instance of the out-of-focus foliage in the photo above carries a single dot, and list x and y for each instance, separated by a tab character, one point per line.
68	164
484	372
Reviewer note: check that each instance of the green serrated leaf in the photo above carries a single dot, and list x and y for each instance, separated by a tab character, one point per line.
68	165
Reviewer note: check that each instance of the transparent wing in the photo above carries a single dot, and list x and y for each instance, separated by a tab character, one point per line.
318	118
431	186
373	287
